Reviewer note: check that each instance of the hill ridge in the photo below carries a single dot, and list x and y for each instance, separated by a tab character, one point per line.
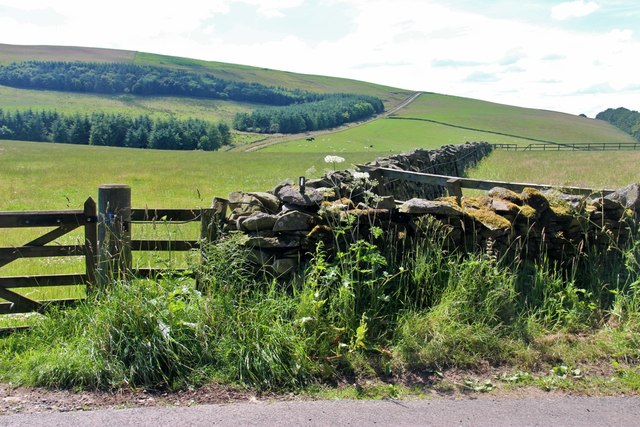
465	115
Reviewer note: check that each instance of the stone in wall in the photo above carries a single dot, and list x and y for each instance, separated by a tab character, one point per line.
294	221
292	195
259	221
530	223
629	197
437	208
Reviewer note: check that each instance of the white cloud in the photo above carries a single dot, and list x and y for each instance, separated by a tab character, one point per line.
273	8
573	9
618	35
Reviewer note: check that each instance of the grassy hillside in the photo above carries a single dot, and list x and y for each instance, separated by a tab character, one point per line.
527	122
442	119
390	96
153	106
17	53
269	77
386	135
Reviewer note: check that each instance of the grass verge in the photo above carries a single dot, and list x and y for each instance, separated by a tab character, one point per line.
368	316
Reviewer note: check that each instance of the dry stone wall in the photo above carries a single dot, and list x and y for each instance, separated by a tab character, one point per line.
283	226
450	160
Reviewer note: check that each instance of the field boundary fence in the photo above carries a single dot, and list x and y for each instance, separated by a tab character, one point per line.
107	244
557	146
454	185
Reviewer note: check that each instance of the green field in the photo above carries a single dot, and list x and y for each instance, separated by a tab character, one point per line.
526	122
58	176
598	170
388	136
153	106
54	176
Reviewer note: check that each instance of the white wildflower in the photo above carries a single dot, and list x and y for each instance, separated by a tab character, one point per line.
333	159
361	175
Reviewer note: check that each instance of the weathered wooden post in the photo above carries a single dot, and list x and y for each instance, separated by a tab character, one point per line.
455	189
211	222
91	241
378	176
114	233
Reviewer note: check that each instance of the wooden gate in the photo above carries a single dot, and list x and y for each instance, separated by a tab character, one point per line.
112	225
65	222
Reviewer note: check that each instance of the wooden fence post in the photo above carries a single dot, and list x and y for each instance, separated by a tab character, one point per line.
454	188
211	221
114	233
91	240
378	176
220	207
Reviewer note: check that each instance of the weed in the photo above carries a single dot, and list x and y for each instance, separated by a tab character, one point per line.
517	377
478	386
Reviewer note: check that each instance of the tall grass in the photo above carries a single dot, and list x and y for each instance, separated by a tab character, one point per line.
367	309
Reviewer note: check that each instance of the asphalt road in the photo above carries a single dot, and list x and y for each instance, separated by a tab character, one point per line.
564	411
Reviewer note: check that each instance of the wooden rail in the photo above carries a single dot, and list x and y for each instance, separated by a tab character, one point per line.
455	184
582	146
142	216
65	222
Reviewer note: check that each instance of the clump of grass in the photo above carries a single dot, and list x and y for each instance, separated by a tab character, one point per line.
148	333
261	346
55	353
467	324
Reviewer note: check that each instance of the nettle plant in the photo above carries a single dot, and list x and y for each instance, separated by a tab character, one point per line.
351	289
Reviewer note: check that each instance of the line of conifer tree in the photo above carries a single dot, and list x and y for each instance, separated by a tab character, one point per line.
119	78
116	130
624	119
325	114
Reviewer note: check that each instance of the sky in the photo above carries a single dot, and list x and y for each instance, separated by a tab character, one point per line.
579	57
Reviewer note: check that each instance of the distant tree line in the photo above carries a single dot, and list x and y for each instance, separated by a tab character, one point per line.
624	119
293	110
118	78
116	130
330	112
